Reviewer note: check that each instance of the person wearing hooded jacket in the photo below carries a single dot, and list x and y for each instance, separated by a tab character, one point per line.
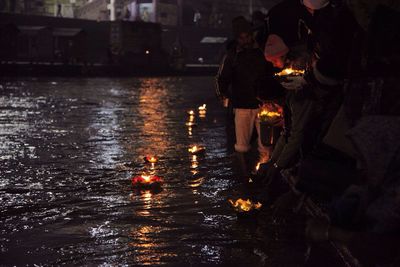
242	77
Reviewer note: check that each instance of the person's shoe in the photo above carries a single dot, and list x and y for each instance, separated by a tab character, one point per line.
242	165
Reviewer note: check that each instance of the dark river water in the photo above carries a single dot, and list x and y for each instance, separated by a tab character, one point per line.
68	150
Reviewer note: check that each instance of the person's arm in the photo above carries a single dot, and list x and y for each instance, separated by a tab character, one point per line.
301	112
224	76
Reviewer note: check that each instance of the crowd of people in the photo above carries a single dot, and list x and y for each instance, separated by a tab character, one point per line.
339	136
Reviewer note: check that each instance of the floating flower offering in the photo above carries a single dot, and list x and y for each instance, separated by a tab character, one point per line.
196	149
151	159
290	72
241	205
146	181
270	112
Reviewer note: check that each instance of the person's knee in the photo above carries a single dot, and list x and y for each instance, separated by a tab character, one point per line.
242	148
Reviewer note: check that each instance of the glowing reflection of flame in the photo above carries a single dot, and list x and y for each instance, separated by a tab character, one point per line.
196	149
153	109
202	111
148	245
242	205
196	183
195	163
190	124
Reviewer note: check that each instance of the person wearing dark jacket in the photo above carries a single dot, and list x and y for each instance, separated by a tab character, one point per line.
240	78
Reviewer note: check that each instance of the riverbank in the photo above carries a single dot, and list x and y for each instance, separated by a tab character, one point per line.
48	69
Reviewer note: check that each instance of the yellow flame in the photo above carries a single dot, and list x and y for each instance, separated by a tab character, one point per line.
244	205
146	178
267	113
258	166
191	112
290	71
152	159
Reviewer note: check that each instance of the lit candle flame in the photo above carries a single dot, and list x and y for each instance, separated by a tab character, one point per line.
290	71
146	178
191	112
267	113
258	166
151	159
245	205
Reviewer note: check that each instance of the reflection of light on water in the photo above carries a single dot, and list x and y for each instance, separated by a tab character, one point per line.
213	253
153	109
146	198
106	123
196	183
202	111
147	242
194	165
194	161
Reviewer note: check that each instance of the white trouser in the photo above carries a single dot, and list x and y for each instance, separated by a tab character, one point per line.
245	119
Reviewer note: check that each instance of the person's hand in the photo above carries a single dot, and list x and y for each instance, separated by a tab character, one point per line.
317	230
286	203
276	122
272	172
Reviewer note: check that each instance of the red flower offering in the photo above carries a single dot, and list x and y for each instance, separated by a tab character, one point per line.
146	181
151	159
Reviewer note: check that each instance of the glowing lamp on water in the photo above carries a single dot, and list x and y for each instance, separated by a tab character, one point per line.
243	206
270	113
146	181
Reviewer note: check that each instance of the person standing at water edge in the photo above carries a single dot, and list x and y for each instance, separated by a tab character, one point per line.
239	79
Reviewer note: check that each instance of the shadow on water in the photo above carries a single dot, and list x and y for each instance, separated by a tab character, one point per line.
68	150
